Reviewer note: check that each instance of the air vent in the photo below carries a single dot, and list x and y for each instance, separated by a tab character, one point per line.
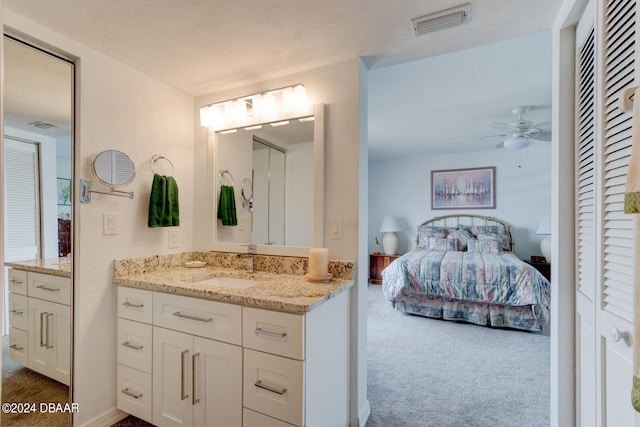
439	20
42	125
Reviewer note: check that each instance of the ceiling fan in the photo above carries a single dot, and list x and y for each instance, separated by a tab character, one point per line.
522	133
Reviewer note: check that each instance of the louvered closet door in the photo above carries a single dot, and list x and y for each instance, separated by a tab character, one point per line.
604	233
586	170
614	293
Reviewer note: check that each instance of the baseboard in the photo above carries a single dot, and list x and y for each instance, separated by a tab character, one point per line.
363	413
107	419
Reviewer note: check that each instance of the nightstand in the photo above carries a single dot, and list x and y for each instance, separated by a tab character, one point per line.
377	263
542	267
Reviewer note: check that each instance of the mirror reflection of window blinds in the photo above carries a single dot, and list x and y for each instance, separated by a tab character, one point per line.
22	199
121	170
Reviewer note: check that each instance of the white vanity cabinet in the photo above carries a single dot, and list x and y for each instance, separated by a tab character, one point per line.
227	365
40	323
296	366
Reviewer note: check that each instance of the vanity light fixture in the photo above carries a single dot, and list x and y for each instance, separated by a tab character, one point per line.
257	108
307	119
282	123
253	127
225	132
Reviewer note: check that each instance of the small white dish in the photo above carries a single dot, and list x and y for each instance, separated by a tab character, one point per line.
195	264
314	279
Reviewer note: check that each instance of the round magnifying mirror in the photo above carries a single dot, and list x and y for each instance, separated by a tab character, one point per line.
247	189
114	168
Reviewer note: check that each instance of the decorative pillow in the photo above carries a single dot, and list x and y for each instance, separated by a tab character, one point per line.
491	242
442	244
475	245
495	229
462	235
425	232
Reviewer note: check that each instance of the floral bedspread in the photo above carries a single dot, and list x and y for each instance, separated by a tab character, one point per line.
478	277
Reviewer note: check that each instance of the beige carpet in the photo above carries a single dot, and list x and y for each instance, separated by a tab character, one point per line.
22	385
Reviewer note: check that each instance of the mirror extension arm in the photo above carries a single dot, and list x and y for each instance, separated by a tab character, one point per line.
85	191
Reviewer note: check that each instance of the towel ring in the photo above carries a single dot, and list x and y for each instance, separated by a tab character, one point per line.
221	176
157	157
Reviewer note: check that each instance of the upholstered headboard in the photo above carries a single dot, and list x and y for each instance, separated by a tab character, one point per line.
474	222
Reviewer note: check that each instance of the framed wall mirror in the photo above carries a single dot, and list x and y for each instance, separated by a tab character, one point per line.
38	143
277	175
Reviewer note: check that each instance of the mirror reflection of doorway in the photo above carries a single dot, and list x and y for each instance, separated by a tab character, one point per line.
38	172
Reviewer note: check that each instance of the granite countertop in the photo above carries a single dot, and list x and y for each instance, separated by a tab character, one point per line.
283	292
54	266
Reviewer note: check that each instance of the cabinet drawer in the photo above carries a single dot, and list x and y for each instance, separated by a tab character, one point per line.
273	332
134	392
205	318
19	346
134	345
49	288
18	312
17	281
274	385
255	419
135	304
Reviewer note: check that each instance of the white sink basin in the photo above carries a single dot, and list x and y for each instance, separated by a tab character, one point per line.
229	282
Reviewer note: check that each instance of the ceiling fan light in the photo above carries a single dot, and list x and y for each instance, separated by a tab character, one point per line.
517	143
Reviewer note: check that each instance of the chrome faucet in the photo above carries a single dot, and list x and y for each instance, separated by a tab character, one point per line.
252	250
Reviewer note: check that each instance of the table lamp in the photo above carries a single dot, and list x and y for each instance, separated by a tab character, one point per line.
545	244
390	241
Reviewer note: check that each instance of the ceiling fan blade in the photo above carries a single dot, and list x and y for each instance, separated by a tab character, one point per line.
504	126
544	135
500	145
543	126
502	135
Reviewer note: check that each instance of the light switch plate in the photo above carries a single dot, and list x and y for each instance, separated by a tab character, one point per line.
335	227
110	223
173	239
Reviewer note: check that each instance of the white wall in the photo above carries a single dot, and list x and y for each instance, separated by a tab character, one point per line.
117	108
402	188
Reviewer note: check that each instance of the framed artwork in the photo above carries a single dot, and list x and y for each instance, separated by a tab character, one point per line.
473	188
64	191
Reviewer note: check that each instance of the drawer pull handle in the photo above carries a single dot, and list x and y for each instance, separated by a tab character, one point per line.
131	305
49	316
272	389
16	282
186	316
18	312
16	347
271	334
42	316
183	396
133	346
46	288
131	393
194	400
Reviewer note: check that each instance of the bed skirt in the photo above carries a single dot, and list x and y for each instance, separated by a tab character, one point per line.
498	316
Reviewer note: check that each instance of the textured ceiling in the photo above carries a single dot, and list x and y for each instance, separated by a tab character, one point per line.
432	94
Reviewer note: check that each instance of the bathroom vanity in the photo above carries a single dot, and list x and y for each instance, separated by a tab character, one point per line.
261	349
39	316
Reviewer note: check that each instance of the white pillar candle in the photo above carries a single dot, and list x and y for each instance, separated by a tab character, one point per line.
319	262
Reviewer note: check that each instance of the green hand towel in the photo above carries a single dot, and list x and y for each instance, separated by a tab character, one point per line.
163	202
227	206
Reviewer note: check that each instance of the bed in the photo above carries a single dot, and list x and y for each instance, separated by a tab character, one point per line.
463	268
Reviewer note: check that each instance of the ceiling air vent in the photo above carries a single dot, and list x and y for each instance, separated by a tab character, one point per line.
439	20
42	125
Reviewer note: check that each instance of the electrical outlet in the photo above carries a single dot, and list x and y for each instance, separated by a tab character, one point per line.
173	239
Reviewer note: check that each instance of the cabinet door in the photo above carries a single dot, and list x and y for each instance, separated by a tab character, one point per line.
49	339
217	376
172	353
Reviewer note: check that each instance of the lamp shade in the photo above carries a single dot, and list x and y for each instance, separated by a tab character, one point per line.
390	225
517	143
545	226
